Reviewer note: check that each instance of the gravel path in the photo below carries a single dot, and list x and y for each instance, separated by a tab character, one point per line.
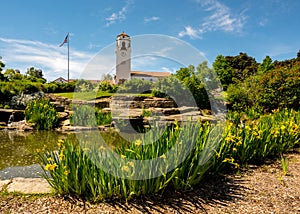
261	189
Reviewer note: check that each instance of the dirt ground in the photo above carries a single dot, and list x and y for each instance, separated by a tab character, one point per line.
259	189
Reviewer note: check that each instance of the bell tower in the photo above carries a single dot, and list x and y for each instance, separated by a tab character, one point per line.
123	58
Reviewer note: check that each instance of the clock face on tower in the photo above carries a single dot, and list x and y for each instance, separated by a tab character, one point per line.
123	53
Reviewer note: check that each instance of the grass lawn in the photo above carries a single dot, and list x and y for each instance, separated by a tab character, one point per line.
92	95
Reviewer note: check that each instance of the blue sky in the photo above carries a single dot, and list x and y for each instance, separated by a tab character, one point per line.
32	30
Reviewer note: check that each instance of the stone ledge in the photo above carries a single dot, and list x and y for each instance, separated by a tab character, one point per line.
26	185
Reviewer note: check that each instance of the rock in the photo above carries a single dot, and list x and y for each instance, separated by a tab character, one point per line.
25	127
3	124
77	128
28	185
62	116
6	113
4	184
66	123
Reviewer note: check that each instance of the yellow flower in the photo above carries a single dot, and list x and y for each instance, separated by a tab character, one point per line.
125	168
60	143
282	127
66	172
61	156
102	148
229	138
236	165
228	160
131	163
234	149
218	155
163	156
123	156
49	159
180	143
138	142
247	128
238	143
51	167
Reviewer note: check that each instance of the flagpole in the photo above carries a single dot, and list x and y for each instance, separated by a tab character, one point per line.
68	57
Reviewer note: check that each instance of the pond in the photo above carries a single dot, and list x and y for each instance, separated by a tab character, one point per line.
19	149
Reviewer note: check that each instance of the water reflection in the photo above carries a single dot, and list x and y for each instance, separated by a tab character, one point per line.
19	148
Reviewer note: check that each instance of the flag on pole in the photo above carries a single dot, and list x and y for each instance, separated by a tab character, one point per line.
65	41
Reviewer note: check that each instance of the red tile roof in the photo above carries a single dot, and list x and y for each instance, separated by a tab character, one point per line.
150	73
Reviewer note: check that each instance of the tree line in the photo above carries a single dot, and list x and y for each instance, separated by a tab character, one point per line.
247	84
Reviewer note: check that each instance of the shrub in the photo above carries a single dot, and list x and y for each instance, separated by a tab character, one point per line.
102	117
42	113
83	115
136	86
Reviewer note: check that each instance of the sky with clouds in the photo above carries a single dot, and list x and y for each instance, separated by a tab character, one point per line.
32	30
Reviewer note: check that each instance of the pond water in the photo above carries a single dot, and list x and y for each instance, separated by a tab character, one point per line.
18	149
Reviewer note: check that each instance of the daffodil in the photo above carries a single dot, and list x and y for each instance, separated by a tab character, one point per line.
131	163
51	167
163	156
125	168
138	142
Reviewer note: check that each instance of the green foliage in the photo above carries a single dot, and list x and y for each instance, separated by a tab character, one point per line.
146	113
12	75
83	115
233	69
224	71
281	88
72	171
83	86
35	75
185	87
106	86
42	113
266	65
89	116
192	81
267	90
172	87
136	86
269	135
103	117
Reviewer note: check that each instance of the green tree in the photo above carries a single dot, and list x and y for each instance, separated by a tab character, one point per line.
266	65
233	69
207	76
12	74
136	86
107	77
2	65
224	70
35	75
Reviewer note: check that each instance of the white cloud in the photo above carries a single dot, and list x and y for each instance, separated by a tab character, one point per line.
263	22
191	32
221	18
119	15
52	59
151	19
